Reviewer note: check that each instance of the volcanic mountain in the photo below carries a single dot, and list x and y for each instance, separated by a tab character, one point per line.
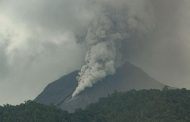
127	77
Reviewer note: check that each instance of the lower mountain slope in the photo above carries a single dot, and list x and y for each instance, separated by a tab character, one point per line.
127	77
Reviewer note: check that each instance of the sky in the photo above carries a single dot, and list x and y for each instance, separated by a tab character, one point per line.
42	40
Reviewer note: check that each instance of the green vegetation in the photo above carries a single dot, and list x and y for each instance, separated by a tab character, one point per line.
32	112
133	106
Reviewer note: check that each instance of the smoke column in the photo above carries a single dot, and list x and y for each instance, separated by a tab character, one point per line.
50	38
116	24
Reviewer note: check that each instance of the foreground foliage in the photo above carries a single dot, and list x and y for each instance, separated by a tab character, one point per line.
133	106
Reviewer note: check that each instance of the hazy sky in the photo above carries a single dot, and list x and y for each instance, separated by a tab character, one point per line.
40	40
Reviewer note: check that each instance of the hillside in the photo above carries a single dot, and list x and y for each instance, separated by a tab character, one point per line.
133	106
127	77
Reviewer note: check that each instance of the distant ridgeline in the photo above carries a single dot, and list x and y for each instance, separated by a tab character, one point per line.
133	106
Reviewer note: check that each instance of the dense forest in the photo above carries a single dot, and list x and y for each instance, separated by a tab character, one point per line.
133	106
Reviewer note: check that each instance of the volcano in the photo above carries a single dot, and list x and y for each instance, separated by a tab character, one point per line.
127	77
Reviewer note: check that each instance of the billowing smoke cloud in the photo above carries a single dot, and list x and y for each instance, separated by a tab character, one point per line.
40	40
116	24
149	33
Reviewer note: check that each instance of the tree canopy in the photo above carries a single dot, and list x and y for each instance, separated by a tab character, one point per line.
133	106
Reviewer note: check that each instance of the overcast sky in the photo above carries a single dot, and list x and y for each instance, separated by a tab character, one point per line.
40	42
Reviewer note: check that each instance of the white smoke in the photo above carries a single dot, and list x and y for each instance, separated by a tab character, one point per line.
117	24
41	40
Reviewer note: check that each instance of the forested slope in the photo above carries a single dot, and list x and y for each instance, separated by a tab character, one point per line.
133	106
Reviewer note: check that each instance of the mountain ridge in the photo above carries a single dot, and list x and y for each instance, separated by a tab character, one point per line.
127	77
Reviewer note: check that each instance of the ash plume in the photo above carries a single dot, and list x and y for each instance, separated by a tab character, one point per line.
113	27
50	38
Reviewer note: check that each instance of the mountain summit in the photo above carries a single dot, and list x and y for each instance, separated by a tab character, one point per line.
127	77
